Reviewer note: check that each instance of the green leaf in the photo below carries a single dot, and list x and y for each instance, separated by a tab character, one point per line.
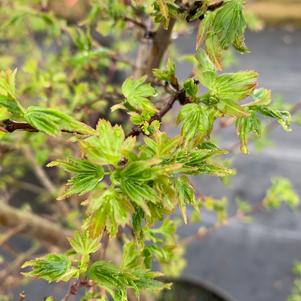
235	86
135	181
204	28
52	122
229	23
206	72
160	146
109	210
8	99
51	267
221	29
196	123
244	127
197	161
136	92
132	257
117	280
282	117
83	244
109	145
185	195
87	176
167	74
231	108
191	88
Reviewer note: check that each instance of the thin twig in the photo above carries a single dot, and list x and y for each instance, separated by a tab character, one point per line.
38	170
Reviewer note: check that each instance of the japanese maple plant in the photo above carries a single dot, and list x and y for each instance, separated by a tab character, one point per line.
89	100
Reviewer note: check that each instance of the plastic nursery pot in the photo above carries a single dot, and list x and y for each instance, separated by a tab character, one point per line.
191	290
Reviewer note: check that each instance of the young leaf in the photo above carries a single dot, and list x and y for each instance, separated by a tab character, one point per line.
8	101
117	280
109	210
83	244
51	267
191	88
205	72
87	175
235	86
229	23
109	145
160	146
195	121
244	127
136	92
167	74
135	181
185	195
51	122
282	117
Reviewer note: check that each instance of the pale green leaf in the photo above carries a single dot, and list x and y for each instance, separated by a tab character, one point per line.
136	92
51	267
87	175
52	122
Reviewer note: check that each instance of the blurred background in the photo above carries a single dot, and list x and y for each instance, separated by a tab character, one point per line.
248	261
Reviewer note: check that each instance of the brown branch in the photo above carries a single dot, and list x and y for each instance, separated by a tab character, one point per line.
151	52
137	23
193	9
10	126
180	95
35	226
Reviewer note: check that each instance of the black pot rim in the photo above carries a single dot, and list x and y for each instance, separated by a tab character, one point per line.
201	283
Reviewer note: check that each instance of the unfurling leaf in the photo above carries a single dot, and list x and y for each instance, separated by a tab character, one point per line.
244	127
196	122
261	97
